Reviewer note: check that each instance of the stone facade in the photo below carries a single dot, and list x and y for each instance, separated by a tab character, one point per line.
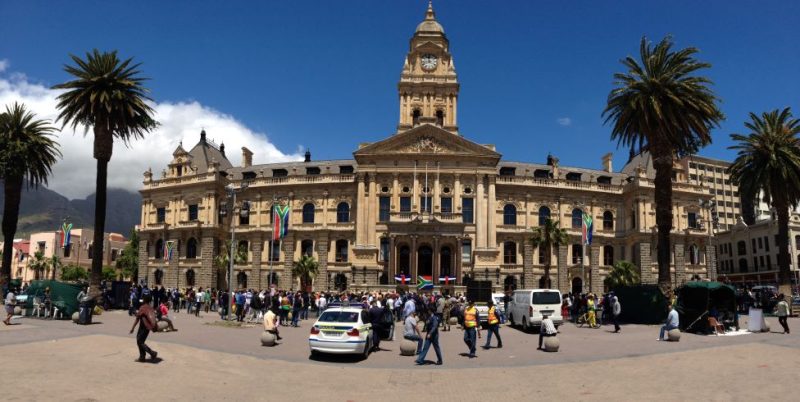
425	201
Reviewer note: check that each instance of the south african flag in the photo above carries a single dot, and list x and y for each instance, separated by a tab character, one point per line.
280	223
424	282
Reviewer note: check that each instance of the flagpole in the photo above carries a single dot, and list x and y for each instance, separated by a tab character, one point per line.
425	195
271	244
414	198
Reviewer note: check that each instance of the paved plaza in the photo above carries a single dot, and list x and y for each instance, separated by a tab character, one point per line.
58	360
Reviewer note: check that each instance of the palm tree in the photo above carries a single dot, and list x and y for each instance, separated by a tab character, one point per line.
768	162
623	273
545	238
306	268
108	95
55	263
221	259
659	105
27	155
38	264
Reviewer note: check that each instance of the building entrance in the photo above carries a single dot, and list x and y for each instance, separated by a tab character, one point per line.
425	261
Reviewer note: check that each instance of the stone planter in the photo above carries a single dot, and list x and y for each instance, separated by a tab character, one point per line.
408	347
674	335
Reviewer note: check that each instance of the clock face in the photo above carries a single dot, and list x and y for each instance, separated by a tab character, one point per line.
428	61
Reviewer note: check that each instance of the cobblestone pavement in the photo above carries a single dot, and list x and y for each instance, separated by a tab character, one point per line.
58	360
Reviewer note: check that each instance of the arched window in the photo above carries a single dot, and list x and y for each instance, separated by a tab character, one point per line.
577	218
577	253
158	276
159	251
341	250
608	220
307	247
340	281
445	261
190	277
544	215
608	255
742	247
509	215
509	252
796	242
308	213
694	254
742	265
191	248
241	280
440	118
342	213
404	260
415	117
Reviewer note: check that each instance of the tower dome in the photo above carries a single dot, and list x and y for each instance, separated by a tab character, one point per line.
430	24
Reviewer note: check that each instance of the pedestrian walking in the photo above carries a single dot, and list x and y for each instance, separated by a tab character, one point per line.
616	310
11	301
470	327
782	311
590	312
376	318
431	338
239	300
145	316
493	326
297	307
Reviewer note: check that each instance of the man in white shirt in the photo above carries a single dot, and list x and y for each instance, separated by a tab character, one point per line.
198	300
547	329
673	322
411	331
322	304
409	308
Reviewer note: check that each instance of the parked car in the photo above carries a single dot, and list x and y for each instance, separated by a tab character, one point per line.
342	330
528	305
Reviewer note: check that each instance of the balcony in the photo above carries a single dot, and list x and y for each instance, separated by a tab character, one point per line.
304	179
558	183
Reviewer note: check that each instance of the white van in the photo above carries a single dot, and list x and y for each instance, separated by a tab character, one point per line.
528	305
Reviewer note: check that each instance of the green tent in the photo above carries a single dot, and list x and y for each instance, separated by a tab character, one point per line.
696	299
63	295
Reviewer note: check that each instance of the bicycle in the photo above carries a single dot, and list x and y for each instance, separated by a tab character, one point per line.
584	319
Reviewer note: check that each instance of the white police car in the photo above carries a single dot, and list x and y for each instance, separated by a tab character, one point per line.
342	330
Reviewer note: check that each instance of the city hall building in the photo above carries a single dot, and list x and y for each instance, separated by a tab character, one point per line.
424	201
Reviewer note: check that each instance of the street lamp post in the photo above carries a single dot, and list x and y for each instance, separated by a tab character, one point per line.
232	194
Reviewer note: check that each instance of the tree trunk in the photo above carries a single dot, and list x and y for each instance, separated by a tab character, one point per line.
547	262
784	262
12	188
103	146
663	199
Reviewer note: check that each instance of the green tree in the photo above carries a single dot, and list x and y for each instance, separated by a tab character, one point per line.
128	261
306	269
27	156
108	95
623	273
55	264
661	106
545	238
768	162
109	273
39	264
222	258
74	273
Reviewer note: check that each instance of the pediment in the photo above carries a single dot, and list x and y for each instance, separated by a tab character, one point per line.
428	140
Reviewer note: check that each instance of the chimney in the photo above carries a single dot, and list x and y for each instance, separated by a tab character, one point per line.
203	136
607	162
308	155
247	157
222	149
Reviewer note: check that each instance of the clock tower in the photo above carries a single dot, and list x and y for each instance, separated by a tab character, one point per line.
428	86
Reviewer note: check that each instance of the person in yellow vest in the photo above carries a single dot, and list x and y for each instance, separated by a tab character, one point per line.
471	327
493	322
592	318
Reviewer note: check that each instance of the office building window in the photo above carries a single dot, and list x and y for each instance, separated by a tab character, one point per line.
447	205
467	215
383	209
466	251
405	204
161	215
193	212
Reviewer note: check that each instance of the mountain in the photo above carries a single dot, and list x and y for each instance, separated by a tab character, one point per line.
43	210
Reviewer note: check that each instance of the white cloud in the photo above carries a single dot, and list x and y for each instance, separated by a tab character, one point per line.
74	175
564	121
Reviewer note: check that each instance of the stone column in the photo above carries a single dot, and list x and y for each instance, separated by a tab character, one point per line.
436	267
321	281
596	283
361	222
208	272
437	205
711	262
457	193
458	263
564	284
256	247
480	214
680	265
371	216
286	281
392	271
144	266
413	258
646	265
173	265
492	212
395	203
528	277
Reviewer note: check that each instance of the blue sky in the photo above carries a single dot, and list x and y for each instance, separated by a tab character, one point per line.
322	74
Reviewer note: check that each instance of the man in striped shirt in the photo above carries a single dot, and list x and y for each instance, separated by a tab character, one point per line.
547	329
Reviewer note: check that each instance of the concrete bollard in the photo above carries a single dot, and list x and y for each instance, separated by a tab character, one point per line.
268	339
674	335
408	347
162	326
17	310
551	344
453	321
75	317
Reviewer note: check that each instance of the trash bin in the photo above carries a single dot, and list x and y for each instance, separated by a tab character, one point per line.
86	306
